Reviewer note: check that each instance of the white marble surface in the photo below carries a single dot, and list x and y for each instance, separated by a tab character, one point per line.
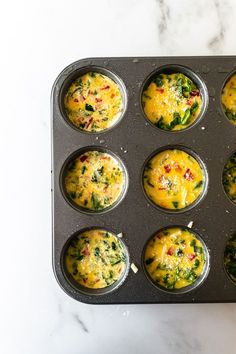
38	39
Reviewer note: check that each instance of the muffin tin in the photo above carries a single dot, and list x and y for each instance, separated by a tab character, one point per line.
133	140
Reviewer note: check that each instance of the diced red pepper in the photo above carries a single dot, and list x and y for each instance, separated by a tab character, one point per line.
161	90
189	102
177	167
86	252
188	175
170	251
167	168
191	256
105	87
112	95
194	93
85	280
98	99
89	122
76	100
83	158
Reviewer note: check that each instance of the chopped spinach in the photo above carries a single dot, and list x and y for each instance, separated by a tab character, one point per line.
198	250
94	178
72	165
196	263
150	184
179	252
88	107
84	168
95	202
160	124
186	118
198	184
97	251
175	204
113	246
193	243
175	121
72	194
158	81
194	107
116	262
149	260
101	170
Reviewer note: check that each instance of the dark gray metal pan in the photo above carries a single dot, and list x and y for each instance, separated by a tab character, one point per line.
133	140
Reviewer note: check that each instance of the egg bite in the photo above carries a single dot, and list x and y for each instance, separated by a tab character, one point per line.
172	101
173	179
94	180
95	259
93	102
174	258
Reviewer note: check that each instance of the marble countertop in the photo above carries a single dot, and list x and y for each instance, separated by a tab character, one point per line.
39	38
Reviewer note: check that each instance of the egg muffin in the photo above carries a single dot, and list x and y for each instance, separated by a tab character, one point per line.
172	101
229	178
174	258
93	102
94	180
173	179
95	259
230	257
228	99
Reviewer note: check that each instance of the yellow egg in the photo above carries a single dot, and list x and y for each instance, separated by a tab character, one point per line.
173	179
95	180
228	99
229	257
172	101
95	259
174	258
229	178
93	102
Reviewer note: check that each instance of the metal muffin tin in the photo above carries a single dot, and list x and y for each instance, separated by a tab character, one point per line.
133	140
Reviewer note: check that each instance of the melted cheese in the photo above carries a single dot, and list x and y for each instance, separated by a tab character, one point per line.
229	178
93	102
94	180
228	99
95	259
172	102
173	179
174	258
